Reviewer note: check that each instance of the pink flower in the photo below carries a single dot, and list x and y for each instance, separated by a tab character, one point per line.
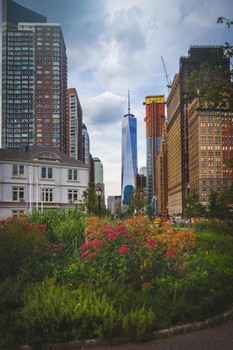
91	255
84	254
172	253
112	235
97	243
123	249
151	243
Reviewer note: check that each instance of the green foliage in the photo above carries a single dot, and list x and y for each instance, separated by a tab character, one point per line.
89	200
225	203
22	246
194	208
217	227
126	280
138	201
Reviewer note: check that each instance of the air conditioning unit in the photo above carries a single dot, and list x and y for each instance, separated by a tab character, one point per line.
70	201
21	200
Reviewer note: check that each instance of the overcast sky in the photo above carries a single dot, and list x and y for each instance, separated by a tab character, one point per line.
116	45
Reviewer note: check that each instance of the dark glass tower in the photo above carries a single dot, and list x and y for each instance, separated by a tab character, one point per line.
129	156
34	80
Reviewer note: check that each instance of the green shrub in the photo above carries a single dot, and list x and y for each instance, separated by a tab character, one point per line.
22	246
64	226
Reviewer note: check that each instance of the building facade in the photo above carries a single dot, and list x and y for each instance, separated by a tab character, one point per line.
178	132
210	148
155	118
98	170
162	175
174	156
39	178
129	157
75	115
114	205
34	80
85	146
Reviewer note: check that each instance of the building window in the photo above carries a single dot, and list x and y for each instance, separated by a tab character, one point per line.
47	194
18	194
17	213
18	170
72	174
46	173
72	196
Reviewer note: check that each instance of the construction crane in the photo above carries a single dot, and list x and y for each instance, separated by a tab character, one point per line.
168	81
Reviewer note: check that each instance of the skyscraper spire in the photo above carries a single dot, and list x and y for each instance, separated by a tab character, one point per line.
128	102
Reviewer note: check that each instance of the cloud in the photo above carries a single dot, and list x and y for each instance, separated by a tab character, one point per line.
104	109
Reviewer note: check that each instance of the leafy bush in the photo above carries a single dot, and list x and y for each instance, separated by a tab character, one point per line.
22	246
123	279
64	226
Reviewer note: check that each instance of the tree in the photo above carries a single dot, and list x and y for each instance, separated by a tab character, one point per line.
89	200
138	201
213	205
194	208
225	203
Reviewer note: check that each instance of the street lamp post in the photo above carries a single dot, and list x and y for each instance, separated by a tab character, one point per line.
98	193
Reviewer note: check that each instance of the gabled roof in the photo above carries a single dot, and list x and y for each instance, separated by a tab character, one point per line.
36	154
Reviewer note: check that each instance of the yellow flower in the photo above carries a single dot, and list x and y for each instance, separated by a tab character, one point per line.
205	272
72	265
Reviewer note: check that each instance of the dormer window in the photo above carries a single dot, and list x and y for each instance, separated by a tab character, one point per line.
47	156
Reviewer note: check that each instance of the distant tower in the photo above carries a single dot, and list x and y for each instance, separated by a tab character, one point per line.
98	170
75	114
85	146
129	155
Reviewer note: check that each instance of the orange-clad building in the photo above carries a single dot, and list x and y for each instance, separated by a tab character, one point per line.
155	118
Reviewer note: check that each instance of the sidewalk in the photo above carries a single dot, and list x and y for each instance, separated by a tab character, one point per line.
217	338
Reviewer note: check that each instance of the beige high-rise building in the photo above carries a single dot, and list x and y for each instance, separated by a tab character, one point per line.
210	148
162	175
174	155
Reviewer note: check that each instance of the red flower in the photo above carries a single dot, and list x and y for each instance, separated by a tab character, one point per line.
151	243
123	249
147	284
172	253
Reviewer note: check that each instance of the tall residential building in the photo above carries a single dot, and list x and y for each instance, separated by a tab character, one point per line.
129	156
174	156
75	115
178	133
85	146
162	175
98	170
210	148
34	80
155	118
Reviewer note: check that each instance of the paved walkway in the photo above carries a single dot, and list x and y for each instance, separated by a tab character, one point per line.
217	338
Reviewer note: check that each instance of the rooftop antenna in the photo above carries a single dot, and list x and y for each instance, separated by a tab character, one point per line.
128	102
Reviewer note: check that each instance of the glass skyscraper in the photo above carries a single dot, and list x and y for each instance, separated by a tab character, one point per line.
34	80
129	157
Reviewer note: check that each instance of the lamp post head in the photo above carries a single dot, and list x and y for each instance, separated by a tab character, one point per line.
98	191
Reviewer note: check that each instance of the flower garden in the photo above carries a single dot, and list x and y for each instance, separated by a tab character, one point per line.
63	277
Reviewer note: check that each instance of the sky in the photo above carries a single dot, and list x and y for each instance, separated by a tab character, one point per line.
116	45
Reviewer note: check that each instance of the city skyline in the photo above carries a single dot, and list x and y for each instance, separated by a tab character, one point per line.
105	59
